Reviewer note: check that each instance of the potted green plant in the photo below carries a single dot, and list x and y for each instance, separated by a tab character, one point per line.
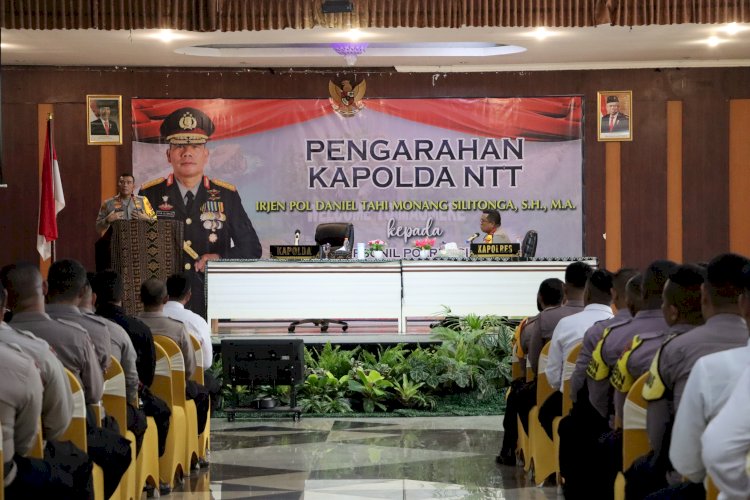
376	248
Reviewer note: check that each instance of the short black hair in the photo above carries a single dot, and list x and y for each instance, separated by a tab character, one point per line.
600	286
493	216
22	280
656	274
552	292
724	278
127	174
178	286
746	278
621	277
108	287
66	279
577	274
153	292
683	290
634	293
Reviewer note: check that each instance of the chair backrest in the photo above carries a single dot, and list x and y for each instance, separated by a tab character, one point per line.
335	233
198	373
515	365
162	384
177	366
528	246
634	436
570	366
76	431
115	395
543	389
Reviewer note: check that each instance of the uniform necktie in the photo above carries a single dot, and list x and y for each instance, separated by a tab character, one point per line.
611	122
106	127
189	201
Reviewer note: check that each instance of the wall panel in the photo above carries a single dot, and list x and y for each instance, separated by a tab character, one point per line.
704	93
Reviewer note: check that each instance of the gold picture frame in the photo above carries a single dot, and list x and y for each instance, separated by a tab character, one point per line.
104	119
615	111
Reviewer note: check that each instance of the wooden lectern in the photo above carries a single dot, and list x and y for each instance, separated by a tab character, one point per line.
139	250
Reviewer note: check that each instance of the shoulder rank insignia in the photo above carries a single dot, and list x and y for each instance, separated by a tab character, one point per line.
654	388
621	378
598	369
225	185
152	183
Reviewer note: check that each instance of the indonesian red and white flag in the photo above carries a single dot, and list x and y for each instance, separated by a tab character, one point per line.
52	199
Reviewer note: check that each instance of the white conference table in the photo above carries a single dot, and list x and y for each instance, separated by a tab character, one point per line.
406	291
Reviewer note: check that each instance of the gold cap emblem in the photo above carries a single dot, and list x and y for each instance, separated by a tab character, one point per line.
188	121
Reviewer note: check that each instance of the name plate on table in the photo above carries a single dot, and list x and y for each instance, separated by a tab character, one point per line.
295	251
495	249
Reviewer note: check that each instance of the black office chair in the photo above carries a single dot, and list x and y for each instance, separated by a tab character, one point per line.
528	246
333	233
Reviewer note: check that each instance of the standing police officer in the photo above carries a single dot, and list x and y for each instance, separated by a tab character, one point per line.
216	224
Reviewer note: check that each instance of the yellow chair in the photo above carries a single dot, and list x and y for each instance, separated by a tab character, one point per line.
76	432
172	462
199	376
634	436
147	461
712	492
115	403
542	447
37	449
189	432
567	404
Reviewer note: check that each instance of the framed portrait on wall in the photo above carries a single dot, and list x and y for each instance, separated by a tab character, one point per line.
615	115
104	118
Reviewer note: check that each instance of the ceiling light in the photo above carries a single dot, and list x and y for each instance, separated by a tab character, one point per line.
166	36
541	33
713	41
354	34
732	29
350	51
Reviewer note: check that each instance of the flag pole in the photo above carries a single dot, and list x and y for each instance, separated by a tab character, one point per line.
50	116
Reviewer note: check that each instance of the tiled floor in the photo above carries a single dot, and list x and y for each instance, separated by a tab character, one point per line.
383	458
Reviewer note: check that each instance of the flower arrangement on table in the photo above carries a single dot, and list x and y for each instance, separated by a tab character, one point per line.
376	245
425	243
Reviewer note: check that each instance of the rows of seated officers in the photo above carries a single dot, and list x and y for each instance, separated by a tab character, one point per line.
636	384
74	323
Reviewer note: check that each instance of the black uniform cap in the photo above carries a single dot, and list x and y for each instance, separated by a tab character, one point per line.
187	126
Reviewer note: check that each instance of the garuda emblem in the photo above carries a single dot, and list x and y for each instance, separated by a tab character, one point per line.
347	101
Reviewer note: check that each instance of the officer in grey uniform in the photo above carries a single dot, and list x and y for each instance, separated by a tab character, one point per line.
682	312
216	224
617	340
123	206
57	398
20	407
724	329
540	332
593	334
121	345
66	284
154	296
70	341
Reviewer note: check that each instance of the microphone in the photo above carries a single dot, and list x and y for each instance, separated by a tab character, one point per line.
296	237
471	238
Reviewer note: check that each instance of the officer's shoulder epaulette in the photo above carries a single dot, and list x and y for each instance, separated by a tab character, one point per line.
152	183
654	388
225	185
96	319
71	324
26	334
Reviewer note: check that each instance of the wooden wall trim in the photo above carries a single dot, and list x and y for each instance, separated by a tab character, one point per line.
674	180
108	165
613	210
739	176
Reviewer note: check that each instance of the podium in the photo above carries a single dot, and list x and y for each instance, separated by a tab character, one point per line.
138	250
